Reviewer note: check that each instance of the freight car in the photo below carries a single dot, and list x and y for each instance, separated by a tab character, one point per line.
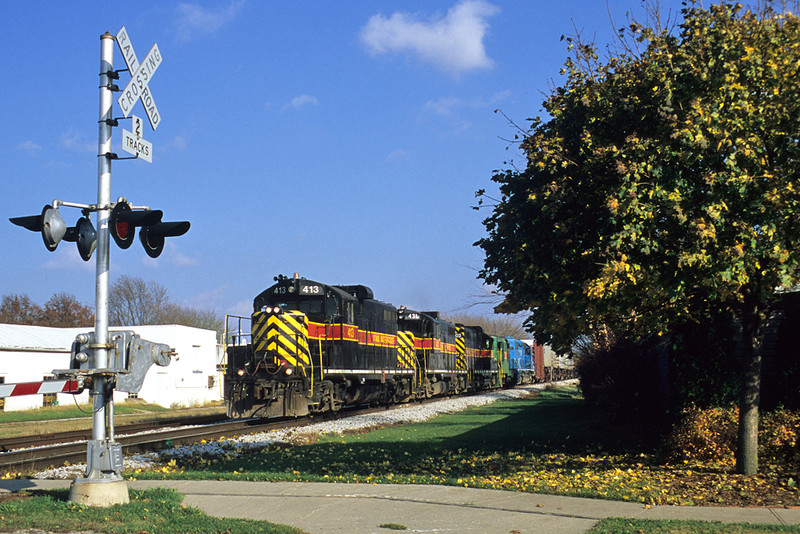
315	347
548	365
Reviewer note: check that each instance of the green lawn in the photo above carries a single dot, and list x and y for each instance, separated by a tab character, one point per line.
155	510
71	411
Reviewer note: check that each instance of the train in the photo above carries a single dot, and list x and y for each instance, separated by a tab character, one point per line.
315	347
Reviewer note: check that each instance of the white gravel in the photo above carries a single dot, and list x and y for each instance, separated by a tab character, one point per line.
228	447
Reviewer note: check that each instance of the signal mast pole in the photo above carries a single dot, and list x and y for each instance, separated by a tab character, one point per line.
101	403
119	360
102	484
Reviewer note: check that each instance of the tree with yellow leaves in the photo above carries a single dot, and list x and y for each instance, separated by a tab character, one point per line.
663	186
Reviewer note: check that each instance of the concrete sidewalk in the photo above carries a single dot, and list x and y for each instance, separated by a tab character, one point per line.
321	508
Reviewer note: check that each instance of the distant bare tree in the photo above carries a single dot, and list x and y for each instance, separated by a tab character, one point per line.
19	309
64	311
133	302
496	325
188	316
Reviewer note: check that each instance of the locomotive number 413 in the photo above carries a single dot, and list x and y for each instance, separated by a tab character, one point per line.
305	290
311	290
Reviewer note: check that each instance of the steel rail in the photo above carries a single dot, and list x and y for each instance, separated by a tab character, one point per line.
52	438
38	458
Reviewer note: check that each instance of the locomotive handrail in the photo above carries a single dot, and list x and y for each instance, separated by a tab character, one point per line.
239	335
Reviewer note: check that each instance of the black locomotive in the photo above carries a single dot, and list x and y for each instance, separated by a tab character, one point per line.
315	347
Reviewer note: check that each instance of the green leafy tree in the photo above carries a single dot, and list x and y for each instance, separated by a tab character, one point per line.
664	186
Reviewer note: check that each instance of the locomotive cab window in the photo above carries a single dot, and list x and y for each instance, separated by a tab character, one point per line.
332	307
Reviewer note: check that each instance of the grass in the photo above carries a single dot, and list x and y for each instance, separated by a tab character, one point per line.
70	411
645	526
155	510
160	510
77	417
553	443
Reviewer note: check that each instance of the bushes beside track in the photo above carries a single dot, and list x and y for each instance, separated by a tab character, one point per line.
682	389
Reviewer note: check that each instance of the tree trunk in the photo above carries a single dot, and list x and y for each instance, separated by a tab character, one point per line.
747	443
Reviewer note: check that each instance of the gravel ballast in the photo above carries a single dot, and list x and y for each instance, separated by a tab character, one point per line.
225	447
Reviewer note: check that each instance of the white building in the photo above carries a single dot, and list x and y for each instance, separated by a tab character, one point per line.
31	353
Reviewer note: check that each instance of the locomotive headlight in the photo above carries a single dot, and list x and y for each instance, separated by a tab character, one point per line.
276	309
268	309
289	371
240	372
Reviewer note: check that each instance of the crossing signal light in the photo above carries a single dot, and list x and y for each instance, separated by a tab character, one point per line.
124	220
152	237
84	234
49	223
54	230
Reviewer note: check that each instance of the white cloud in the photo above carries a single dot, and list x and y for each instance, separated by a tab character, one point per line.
67	258
196	20
178	142
174	257
453	44
445	106
301	101
208	300
169	256
452	106
398	155
29	146
458	112
242	308
74	140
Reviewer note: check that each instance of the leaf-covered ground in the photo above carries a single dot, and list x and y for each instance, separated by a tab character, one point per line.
553	443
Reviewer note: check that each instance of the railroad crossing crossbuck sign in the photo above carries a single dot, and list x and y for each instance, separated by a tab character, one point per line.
141	74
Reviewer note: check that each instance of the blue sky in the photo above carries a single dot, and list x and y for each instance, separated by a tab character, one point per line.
340	140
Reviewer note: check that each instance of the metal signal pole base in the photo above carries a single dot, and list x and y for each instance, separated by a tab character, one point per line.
102	484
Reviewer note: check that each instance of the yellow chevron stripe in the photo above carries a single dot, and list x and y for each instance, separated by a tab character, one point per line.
292	337
284	334
259	329
461	349
405	351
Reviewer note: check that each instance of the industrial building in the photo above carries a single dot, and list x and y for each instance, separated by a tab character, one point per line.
194	377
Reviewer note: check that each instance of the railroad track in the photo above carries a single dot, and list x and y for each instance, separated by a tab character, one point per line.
52	438
43	457
37	458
